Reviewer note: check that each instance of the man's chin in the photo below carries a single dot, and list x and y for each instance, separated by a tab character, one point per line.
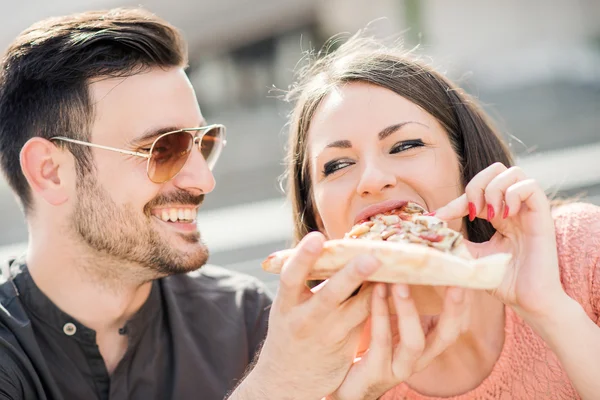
183	262
182	253
177	234
192	238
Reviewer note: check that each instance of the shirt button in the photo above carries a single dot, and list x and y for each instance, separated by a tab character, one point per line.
69	329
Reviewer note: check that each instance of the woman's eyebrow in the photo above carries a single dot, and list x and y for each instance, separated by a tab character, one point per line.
385	132
340	144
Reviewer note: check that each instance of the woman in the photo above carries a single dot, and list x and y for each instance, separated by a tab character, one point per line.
370	126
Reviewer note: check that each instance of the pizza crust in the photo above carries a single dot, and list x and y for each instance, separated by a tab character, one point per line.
408	263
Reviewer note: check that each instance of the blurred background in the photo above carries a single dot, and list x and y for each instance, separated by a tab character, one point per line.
534	65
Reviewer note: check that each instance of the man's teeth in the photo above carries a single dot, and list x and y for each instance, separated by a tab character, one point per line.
178	214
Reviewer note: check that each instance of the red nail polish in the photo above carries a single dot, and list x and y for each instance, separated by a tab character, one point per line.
430	214
472	211
505	214
491	212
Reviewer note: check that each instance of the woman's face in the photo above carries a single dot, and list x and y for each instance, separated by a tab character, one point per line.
370	149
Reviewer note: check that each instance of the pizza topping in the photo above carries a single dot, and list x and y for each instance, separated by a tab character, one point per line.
378	227
432	237
358	230
386	235
390	219
407	224
372	236
429	222
413	208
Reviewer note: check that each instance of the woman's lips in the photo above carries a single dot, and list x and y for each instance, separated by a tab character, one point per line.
379	208
382	207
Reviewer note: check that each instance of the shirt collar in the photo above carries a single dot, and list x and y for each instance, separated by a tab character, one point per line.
45	310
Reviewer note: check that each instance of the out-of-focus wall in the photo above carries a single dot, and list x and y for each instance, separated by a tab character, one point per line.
535	66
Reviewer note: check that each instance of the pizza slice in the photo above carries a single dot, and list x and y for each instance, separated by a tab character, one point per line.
413	248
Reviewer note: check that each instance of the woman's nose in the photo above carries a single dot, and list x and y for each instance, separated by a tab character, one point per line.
374	180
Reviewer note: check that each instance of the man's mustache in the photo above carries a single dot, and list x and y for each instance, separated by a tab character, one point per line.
181	197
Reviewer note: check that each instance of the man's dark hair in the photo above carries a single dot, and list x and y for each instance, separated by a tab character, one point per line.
45	75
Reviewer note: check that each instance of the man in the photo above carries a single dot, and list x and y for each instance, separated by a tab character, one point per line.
102	140
85	313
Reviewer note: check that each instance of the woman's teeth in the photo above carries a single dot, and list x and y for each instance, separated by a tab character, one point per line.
178	215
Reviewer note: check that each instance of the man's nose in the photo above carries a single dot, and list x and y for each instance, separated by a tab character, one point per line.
195	174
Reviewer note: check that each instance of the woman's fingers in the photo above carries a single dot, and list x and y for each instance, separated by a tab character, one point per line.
526	192
412	339
473	202
452	323
475	190
381	333
384	365
495	193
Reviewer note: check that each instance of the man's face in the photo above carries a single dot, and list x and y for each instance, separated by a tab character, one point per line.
119	211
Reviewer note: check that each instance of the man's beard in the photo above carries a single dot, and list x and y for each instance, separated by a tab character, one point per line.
121	233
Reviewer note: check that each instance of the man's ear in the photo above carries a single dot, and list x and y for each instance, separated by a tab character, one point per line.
41	163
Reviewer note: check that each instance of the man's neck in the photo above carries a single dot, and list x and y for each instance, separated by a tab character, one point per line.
100	292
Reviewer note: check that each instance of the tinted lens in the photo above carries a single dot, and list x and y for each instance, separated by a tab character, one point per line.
212	144
169	155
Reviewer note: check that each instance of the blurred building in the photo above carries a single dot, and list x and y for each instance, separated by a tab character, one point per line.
535	65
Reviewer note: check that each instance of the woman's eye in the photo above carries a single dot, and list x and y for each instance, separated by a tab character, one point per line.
406	145
333	166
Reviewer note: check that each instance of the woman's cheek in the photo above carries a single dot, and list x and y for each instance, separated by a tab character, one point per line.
330	205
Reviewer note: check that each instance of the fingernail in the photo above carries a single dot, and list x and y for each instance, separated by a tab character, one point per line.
402	291
382	291
472	211
505	214
430	214
458	295
491	213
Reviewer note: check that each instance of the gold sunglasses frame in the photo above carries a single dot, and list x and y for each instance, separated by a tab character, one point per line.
192	131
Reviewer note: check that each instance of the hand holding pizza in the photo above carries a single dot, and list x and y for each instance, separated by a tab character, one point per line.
520	212
389	361
313	336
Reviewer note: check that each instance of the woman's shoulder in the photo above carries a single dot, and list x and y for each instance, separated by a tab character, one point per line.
574	208
577	228
577	220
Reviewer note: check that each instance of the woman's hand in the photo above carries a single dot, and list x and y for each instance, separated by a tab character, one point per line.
386	364
520	212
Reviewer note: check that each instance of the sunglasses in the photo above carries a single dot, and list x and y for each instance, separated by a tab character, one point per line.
170	151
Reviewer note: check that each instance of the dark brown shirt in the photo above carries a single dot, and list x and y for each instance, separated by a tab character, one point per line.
192	339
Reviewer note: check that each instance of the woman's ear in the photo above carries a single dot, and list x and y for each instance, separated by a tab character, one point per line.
41	161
